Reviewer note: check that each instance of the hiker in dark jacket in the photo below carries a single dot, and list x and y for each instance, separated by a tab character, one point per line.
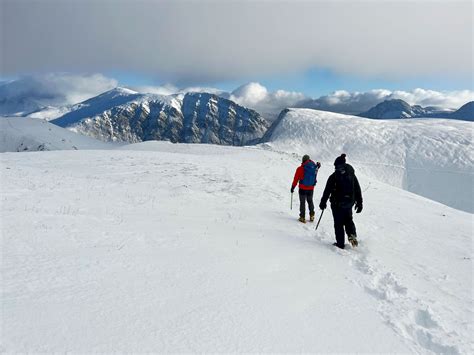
306	175
343	191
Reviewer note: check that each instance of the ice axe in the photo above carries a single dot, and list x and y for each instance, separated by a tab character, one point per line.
319	220
291	204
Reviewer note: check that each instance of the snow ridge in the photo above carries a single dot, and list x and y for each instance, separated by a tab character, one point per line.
432	158
22	134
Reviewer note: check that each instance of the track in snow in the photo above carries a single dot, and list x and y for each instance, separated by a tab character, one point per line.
193	248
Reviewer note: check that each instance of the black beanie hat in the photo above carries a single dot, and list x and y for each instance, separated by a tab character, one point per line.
340	160
305	157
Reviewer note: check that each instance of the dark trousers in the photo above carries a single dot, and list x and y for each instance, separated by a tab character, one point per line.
343	220
306	195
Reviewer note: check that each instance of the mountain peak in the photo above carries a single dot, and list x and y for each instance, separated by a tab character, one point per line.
196	117
465	112
397	108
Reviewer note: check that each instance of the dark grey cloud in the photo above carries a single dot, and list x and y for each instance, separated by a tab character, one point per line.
205	41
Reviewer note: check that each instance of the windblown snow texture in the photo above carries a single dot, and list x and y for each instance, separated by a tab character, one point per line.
191	248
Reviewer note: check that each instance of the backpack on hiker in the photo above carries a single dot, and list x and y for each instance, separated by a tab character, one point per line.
310	173
344	188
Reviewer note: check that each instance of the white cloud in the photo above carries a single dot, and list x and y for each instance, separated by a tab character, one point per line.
446	99
29	93
348	102
166	89
249	94
357	102
252	95
269	104
32	92
205	41
169	89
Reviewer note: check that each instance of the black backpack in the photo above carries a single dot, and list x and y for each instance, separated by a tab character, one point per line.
344	194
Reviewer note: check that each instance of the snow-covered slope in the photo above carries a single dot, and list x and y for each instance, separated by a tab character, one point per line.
432	158
51	112
126	116
19	134
98	104
193	248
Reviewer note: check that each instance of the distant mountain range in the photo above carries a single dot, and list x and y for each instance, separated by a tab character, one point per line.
123	115
394	109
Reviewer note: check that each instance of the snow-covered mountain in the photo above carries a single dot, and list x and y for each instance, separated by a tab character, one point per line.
183	248
392	109
465	112
123	115
396	108
20	134
432	158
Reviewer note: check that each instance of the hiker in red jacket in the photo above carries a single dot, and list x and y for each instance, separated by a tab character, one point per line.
306	176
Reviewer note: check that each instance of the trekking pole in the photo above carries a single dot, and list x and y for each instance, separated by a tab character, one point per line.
319	220
291	204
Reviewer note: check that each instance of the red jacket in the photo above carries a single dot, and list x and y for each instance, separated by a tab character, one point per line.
299	175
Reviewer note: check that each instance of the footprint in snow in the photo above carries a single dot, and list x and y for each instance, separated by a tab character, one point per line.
404	311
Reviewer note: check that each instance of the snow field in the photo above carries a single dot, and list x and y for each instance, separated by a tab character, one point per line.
430	157
20	134
192	248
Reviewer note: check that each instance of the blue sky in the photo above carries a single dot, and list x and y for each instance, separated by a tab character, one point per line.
314	83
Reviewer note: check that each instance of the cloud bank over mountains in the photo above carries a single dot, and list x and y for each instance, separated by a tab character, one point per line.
33	92
66	89
357	102
258	97
189	42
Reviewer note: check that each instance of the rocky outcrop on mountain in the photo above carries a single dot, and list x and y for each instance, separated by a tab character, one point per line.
126	116
390	109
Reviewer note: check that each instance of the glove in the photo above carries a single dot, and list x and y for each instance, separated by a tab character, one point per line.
322	205
292	189
318	164
358	207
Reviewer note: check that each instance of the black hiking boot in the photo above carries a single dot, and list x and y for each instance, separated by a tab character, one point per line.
353	240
